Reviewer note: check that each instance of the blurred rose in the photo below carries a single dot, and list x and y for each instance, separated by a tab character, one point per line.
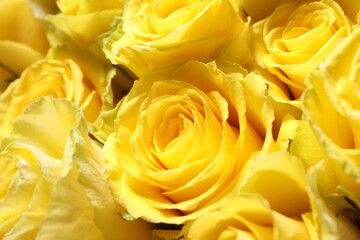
181	137
277	201
297	36
52	182
83	20
331	105
22	40
73	75
158	32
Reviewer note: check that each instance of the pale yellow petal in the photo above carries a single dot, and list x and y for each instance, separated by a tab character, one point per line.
27	29
280	178
76	27
10	52
33	128
287	228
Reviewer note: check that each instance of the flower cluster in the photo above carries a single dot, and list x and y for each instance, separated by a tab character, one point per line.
165	120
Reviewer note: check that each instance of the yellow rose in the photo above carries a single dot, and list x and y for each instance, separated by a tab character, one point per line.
297	36
22	40
84	20
277	201
260	10
331	105
74	75
181	137
52	181
154	33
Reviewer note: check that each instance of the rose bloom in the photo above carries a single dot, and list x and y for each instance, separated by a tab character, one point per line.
22	40
83	20
74	75
297	36
155	33
52	181
278	200
181	137
331	105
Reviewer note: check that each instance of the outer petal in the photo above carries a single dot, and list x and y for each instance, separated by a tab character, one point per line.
284	172
334	94
65	190
28	30
76	27
22	39
33	128
332	226
11	67
83	184
75	17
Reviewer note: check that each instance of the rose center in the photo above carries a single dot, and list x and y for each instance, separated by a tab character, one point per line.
165	8
173	126
174	134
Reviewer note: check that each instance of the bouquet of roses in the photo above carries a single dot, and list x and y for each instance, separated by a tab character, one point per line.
196	119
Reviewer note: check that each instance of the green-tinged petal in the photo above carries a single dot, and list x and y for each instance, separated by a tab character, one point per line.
82	22
70	213
327	224
306	146
39	165
33	126
333	93
87	157
25	198
317	104
103	127
77	27
111	99
57	193
28	223
114	171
